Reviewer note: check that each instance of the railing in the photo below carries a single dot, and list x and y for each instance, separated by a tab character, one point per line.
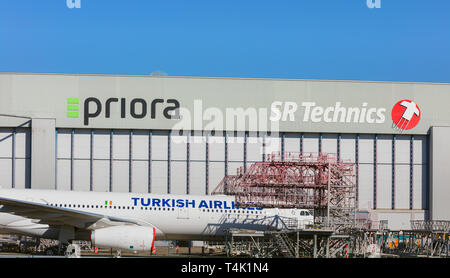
432	226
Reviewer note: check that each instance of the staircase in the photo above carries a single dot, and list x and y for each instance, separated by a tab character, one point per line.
285	245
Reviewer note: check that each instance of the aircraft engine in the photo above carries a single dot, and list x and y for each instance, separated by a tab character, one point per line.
134	238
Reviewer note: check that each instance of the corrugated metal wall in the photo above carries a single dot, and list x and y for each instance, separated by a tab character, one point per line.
392	170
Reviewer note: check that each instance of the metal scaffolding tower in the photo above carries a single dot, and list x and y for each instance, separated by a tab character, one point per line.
317	181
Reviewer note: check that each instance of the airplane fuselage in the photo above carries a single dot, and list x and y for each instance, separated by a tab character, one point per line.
174	217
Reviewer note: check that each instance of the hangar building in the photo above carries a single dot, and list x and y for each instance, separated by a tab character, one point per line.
182	135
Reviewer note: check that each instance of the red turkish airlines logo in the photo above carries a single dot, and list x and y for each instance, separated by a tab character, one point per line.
405	114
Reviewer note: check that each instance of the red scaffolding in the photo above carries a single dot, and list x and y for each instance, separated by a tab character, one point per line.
295	180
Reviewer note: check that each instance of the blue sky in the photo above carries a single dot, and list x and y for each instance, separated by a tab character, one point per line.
404	40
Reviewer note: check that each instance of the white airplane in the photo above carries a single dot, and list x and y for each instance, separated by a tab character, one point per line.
133	221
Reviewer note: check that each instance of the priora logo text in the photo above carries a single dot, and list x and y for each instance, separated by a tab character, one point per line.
138	108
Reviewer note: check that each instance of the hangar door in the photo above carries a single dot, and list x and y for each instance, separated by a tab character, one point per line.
15	158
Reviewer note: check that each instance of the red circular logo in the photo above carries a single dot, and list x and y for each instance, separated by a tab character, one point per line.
406	114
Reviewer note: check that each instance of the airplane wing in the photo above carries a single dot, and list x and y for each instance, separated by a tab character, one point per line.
46	214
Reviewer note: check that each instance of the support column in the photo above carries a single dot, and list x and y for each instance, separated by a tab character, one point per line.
327	252
315	247
439	174
43	153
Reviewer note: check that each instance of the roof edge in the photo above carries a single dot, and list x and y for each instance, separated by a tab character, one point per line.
224	78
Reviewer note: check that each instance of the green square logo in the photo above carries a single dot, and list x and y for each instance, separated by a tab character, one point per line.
73	107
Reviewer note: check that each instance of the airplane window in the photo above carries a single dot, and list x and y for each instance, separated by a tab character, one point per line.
132	207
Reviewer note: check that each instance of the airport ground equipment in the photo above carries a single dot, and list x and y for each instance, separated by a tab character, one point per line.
73	251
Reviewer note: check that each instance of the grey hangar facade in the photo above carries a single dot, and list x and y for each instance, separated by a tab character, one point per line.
182	135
